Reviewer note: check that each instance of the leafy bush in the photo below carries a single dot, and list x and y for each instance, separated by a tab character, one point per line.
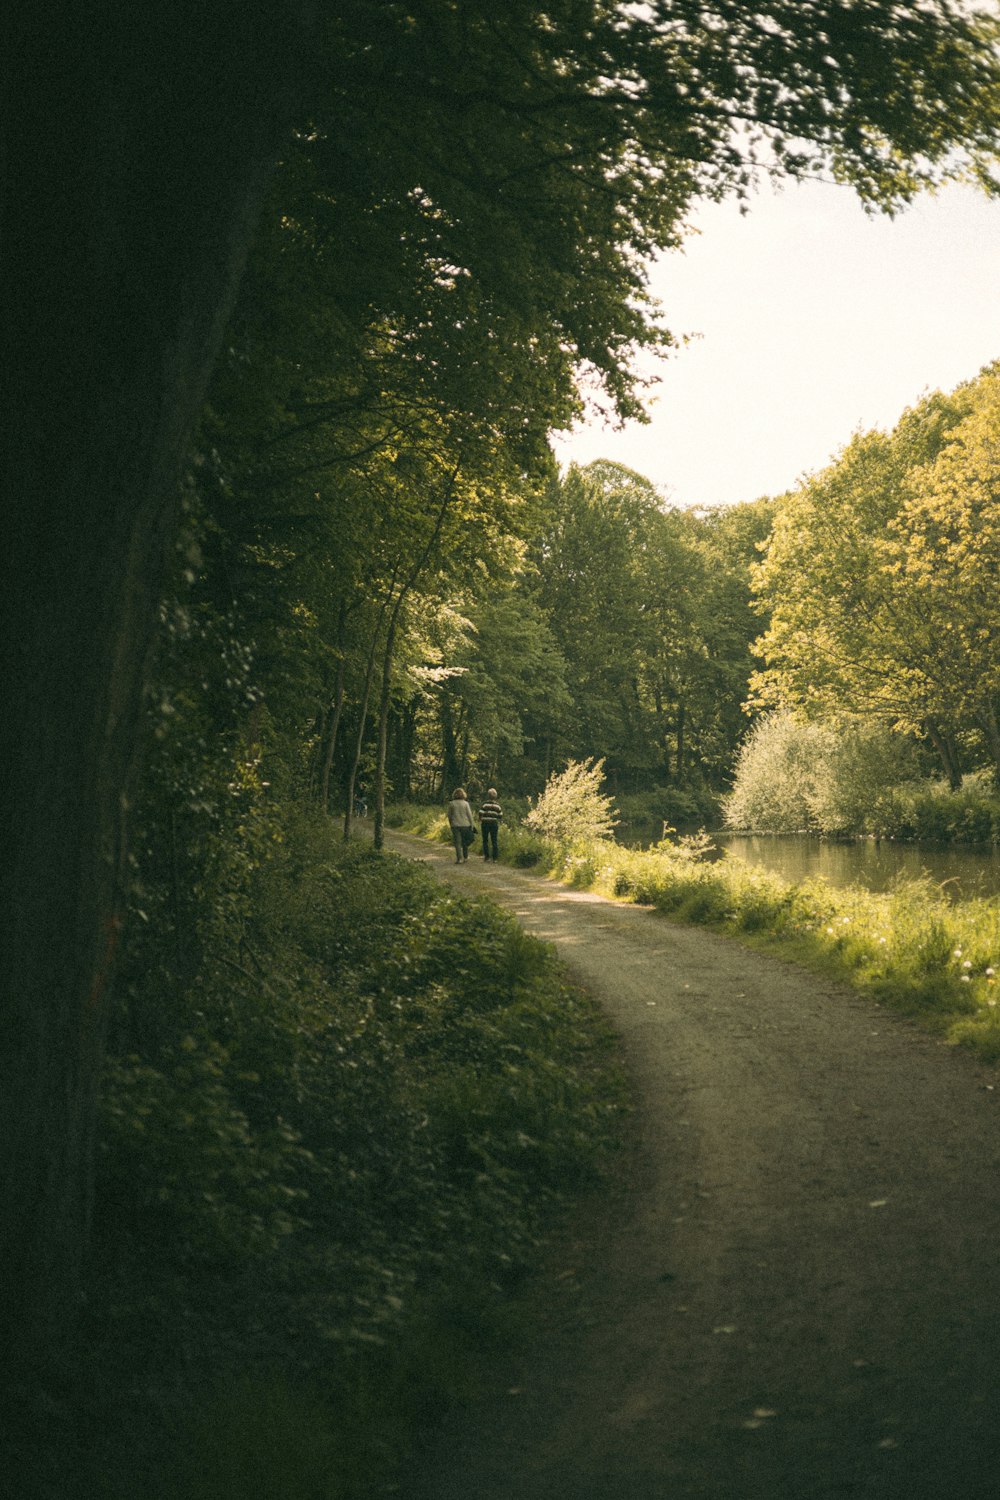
775	775
366	1105
932	811
844	777
644	814
572	807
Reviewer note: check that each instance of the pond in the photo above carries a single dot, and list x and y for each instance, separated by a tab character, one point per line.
961	872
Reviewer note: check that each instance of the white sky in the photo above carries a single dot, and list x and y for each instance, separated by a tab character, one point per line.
814	320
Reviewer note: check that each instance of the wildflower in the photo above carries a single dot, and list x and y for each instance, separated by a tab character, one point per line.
883	940
845	920
967	963
830	931
958	953
990	972
966	979
991	1003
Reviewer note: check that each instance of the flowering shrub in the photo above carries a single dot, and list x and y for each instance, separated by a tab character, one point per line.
572	806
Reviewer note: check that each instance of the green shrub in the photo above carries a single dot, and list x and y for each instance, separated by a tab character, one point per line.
375	1096
644	814
572	808
838	776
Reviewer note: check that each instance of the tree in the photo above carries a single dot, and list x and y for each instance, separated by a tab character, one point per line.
507	683
535	156
878	576
591	563
829	776
942	556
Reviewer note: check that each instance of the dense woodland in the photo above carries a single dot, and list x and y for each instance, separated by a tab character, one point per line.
295	296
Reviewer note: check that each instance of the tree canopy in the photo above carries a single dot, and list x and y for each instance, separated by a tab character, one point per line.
880	577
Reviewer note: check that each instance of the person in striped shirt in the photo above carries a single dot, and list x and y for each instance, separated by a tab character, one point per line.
490	815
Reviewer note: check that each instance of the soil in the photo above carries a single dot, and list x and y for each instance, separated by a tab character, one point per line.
792	1289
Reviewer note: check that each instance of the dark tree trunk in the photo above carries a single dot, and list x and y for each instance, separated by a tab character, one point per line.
991	729
135	148
947	754
406	738
383	726
336	709
359	744
405	587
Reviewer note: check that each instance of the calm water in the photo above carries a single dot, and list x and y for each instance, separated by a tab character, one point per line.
960	872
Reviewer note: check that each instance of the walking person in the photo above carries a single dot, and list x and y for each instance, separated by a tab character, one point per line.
490	815
463	829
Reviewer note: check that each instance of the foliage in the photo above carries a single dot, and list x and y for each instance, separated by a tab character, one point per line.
572	806
645	815
366	1122
934	812
830	776
879	578
650	609
314	1101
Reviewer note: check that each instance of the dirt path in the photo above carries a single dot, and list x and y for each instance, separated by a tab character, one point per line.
794	1292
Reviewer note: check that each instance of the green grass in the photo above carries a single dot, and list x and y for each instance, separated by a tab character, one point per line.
909	948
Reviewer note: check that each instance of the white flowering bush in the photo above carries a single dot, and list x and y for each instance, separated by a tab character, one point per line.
840	776
573	807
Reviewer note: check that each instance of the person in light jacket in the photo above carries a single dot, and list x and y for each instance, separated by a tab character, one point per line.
460	819
489	821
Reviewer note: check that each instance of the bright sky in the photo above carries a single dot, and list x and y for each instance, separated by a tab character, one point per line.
814	320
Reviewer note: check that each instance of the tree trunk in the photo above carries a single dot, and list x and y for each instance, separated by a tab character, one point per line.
337	707
991	729
128	197
681	718
451	770
383	726
945	747
359	743
405	738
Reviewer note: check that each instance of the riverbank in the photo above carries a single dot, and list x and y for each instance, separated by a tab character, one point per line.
909	947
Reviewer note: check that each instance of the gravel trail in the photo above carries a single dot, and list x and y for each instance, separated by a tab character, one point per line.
793	1292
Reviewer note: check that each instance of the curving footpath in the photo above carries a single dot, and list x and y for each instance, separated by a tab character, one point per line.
794	1290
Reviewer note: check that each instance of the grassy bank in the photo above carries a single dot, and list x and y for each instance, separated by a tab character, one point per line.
331	1158
909	948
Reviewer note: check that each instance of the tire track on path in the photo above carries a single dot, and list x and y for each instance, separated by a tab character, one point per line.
794	1290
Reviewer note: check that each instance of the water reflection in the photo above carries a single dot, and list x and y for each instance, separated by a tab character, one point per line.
961	873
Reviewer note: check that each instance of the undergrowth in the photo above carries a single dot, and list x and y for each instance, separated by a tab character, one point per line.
909	947
322	1172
